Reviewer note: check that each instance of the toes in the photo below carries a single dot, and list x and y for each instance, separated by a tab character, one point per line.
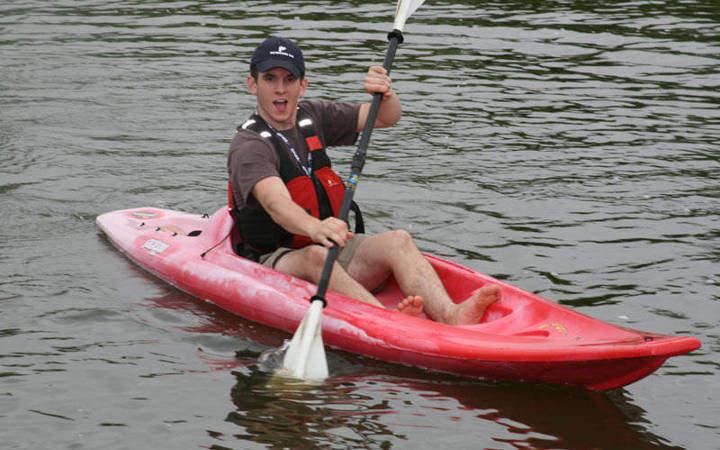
411	305
414	301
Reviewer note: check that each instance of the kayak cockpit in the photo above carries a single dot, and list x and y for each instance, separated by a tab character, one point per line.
518	313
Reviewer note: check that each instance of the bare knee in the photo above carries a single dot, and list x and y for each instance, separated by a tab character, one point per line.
313	262
315	256
401	240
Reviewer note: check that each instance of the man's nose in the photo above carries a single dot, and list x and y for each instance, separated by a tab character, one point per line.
281	86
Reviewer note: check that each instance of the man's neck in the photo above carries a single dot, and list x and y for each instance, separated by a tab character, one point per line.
280	126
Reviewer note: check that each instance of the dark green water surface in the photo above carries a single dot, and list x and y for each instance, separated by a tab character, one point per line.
569	147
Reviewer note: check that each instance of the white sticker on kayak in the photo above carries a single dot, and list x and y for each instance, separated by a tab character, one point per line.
144	214
155	246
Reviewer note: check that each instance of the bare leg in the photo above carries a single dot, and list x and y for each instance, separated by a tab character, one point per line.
395	252
307	263
472	309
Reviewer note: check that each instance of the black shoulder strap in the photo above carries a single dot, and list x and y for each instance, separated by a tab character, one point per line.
288	168
258	125
359	222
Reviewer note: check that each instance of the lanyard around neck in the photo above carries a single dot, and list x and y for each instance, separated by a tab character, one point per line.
306	168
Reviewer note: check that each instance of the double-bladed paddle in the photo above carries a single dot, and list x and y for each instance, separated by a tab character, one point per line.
305	356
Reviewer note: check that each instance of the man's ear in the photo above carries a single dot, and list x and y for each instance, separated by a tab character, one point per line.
303	85
251	84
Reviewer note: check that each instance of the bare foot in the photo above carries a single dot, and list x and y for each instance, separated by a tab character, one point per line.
412	305
471	310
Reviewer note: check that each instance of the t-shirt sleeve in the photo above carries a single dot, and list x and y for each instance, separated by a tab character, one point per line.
250	159
338	121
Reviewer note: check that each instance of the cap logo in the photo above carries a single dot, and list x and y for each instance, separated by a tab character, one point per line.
281	51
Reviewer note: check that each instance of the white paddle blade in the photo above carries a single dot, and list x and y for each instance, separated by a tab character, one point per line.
405	9
305	356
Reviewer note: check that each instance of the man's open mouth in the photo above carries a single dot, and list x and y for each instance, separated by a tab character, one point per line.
280	105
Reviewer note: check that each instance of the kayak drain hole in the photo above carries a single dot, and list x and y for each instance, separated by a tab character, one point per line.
649	338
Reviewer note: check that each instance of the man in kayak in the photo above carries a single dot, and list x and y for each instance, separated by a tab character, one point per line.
284	194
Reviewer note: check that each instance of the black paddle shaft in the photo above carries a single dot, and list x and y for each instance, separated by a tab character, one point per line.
358	162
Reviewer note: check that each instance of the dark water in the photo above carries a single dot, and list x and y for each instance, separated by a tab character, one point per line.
570	147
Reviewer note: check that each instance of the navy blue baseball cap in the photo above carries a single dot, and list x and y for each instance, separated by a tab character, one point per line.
279	52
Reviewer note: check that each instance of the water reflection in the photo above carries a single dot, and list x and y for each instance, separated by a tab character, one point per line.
371	404
286	414
371	410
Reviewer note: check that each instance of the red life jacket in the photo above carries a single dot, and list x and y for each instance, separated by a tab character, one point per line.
320	192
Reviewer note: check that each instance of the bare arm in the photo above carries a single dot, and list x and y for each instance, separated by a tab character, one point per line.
274	197
390	111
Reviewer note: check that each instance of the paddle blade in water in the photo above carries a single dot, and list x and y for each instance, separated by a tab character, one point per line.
305	356
405	9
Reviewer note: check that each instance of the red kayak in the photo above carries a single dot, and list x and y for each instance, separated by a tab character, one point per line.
521	338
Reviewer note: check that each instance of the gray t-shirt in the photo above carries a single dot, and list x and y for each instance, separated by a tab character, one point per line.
252	158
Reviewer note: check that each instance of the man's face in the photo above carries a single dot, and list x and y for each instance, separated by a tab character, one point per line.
277	92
